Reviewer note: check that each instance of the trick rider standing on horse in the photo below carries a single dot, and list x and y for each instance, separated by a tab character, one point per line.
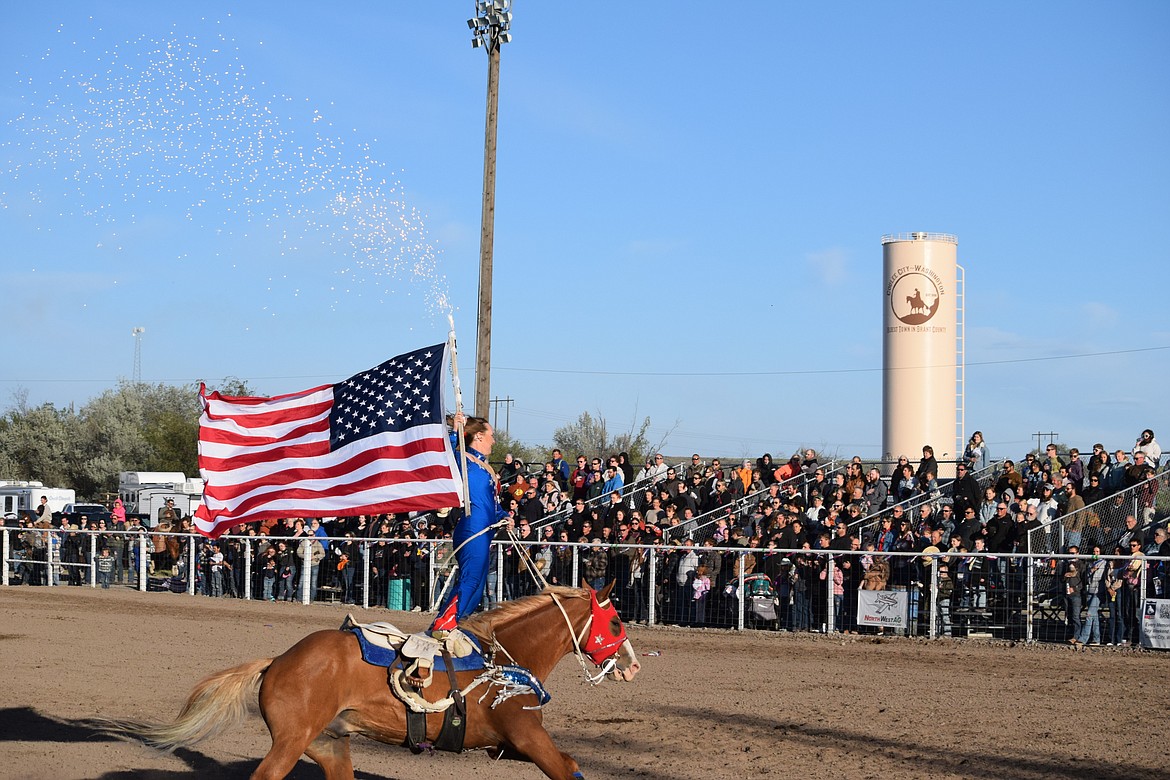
473	533
472	539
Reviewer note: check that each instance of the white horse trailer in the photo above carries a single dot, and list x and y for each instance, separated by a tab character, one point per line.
25	496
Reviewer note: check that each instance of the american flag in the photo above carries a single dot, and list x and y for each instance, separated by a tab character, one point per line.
375	443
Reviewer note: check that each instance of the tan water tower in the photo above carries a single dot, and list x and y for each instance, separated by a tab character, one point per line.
922	374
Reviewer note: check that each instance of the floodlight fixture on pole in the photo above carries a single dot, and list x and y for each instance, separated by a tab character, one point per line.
490	30
492	24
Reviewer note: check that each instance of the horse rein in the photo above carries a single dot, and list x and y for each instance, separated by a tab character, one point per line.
537	577
608	664
541	582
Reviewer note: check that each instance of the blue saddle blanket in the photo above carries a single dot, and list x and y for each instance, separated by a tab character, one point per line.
381	656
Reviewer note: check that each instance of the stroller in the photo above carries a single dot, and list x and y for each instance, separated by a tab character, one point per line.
761	604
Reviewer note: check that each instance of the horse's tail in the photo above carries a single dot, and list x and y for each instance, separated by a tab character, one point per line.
217	702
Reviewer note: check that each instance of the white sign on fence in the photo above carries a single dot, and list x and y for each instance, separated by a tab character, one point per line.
885	608
1156	624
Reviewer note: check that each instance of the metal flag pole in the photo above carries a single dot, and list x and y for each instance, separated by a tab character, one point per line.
458	414
446	583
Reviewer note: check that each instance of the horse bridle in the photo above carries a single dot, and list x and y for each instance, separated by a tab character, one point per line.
606	662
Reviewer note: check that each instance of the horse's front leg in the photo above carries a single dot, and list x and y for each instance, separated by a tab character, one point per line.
534	743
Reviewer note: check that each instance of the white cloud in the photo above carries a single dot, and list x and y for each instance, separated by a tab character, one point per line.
991	343
1098	315
831	266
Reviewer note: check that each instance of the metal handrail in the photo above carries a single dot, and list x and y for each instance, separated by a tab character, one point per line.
1129	495
714	515
873	518
561	514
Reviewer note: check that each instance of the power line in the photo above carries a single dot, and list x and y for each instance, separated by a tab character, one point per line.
581	372
811	372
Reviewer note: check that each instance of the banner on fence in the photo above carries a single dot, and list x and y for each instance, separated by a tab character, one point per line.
885	608
1156	624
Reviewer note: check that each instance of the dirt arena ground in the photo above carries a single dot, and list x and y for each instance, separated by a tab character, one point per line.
714	704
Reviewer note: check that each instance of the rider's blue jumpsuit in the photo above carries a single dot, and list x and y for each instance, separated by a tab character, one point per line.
473	557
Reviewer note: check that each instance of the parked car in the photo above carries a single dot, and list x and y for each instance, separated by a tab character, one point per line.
73	513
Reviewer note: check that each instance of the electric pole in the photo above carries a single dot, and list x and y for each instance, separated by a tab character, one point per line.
507	402
1040	434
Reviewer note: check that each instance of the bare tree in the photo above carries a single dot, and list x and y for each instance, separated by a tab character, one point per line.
590	435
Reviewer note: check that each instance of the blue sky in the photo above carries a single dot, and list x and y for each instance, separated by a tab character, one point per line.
690	203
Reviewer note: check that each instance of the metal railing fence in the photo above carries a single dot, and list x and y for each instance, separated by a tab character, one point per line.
1007	596
1103	521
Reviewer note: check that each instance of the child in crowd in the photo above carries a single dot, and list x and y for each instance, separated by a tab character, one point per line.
105	568
269	579
216	561
702	586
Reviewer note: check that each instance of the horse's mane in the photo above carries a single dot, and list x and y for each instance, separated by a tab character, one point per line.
484	623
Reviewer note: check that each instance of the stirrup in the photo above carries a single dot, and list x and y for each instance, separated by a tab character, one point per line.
413	675
411	696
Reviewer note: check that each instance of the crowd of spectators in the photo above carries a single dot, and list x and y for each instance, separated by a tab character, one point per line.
785	520
975	526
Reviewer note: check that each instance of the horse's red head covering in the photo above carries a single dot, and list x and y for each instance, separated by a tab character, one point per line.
606	632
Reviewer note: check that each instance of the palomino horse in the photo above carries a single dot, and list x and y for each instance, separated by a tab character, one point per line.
320	692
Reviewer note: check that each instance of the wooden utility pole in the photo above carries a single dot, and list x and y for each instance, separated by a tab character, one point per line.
489	30
483	340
